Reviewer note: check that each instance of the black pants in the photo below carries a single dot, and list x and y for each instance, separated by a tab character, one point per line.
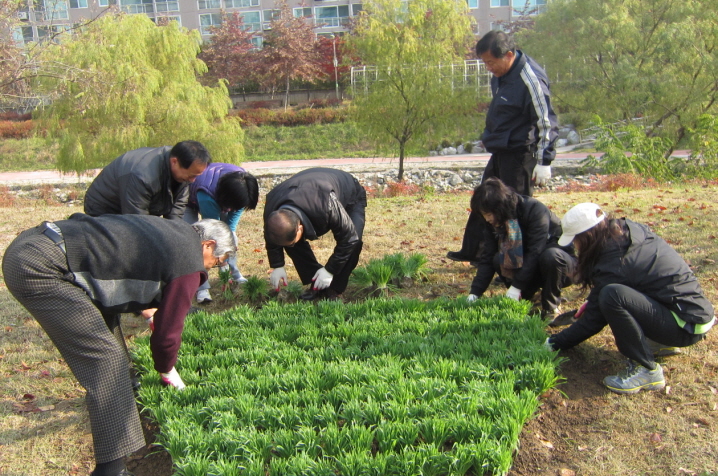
555	266
633	316
514	168
307	265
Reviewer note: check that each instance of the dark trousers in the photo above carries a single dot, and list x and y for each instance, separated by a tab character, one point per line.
36	273
633	316
307	265
556	265
513	168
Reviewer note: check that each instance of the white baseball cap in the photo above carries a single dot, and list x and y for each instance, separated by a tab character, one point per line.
580	218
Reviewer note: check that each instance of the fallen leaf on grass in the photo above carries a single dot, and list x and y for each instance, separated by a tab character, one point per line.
30	407
703	421
656	438
544	441
566	472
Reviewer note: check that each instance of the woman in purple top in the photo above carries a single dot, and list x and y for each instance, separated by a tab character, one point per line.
222	192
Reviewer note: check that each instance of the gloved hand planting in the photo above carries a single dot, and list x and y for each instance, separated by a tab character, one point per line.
172	378
277	277
322	279
541	175
514	293
472	297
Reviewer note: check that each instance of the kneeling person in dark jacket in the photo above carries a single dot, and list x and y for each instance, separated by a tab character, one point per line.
76	276
305	207
640	287
520	237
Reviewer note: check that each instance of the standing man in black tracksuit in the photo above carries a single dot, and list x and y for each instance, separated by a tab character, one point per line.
305	207
521	127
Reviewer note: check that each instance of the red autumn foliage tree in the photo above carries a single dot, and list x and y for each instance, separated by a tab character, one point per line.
290	52
230	53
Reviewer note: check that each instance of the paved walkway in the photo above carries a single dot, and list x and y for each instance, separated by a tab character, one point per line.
564	157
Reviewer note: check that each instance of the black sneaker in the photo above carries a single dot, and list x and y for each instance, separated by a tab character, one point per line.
308	295
457	256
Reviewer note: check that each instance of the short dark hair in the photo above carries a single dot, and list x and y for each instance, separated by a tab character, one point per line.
493	196
281	226
495	42
188	152
237	191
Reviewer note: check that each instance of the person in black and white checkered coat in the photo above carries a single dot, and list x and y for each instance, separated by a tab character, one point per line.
76	276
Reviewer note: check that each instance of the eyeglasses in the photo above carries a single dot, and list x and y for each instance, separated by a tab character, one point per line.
218	263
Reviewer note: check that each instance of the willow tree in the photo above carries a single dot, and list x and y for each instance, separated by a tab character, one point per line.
135	85
412	45
623	59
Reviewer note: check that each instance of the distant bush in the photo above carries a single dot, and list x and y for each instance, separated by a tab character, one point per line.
15	116
16	130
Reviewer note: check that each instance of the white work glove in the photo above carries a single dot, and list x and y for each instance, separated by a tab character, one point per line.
549	345
277	276
322	279
514	293
172	378
541	175
472	297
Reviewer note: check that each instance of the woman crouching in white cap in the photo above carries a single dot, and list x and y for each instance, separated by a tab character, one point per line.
639	286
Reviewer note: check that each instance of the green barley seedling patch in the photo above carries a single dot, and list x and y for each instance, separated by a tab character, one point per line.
383	387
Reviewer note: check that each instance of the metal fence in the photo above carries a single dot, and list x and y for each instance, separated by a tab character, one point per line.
470	74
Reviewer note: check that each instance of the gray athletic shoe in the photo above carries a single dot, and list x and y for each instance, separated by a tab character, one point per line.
660	350
635	378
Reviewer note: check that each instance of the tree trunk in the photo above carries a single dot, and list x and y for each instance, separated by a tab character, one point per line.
402	146
286	96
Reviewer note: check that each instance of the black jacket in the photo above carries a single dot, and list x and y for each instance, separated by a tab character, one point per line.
646	263
321	196
520	112
138	182
540	228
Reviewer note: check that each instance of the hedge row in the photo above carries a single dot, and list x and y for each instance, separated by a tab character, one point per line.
15	130
301	117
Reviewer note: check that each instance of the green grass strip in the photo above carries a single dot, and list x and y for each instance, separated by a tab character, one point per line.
382	387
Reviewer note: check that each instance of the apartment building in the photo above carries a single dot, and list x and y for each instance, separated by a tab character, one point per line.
41	18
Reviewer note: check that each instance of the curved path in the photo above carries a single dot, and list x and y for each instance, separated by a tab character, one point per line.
564	157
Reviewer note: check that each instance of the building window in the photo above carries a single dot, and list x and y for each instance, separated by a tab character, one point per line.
252	21
49	10
165	19
78	3
304	12
533	7
137	6
22	35
107	3
207	21
168	6
502	3
475	3
241	3
332	16
357	7
270	15
207	4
